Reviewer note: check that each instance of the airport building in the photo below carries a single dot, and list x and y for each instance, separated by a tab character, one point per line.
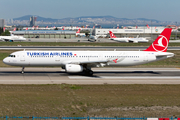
1	23
61	34
133	33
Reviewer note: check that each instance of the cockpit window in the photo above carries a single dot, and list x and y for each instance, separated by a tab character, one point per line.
11	56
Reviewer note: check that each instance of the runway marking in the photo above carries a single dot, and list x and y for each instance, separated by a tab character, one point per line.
138	70
123	77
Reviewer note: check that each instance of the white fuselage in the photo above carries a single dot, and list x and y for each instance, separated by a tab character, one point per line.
135	40
13	38
91	58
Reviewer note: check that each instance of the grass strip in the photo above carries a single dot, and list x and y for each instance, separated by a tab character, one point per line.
90	100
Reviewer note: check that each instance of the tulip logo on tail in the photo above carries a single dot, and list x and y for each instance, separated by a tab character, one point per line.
161	44
112	35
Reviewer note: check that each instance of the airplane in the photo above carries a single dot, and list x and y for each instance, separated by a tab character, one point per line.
83	61
134	40
80	34
92	37
14	29
147	26
12	38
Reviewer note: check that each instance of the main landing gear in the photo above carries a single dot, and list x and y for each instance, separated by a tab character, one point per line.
87	71
22	71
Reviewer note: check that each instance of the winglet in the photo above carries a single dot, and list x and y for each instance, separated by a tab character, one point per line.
161	42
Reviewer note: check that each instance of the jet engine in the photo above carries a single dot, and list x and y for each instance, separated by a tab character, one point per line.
135	41
73	68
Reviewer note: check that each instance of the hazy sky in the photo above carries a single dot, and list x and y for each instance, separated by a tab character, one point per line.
164	10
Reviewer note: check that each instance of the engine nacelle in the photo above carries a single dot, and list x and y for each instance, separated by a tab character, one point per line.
135	41
73	68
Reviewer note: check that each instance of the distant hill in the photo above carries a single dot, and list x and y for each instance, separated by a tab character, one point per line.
39	18
95	20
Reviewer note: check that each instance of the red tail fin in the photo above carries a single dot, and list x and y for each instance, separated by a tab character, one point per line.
147	26
161	42
112	35
78	31
14	29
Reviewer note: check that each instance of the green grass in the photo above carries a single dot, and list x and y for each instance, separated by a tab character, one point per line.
77	44
89	100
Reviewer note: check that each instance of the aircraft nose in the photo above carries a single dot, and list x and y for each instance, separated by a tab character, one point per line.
5	60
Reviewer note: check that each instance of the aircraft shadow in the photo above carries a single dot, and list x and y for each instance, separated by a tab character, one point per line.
96	74
111	73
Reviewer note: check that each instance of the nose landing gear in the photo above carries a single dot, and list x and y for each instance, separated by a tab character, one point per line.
22	71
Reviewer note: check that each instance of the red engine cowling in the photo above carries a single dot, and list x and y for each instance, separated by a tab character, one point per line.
73	68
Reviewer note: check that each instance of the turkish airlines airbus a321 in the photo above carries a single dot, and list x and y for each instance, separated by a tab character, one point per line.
134	40
83	61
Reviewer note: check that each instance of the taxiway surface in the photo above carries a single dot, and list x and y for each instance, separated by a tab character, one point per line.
101	76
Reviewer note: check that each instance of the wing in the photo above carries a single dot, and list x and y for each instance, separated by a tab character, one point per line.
134	41
4	39
89	63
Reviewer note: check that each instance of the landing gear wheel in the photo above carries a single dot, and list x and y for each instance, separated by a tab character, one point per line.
90	72
22	70
87	70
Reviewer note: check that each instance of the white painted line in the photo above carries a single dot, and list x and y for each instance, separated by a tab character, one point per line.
124	77
145	70
134	70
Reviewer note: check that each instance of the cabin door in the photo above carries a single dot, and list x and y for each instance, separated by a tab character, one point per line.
22	56
145	57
